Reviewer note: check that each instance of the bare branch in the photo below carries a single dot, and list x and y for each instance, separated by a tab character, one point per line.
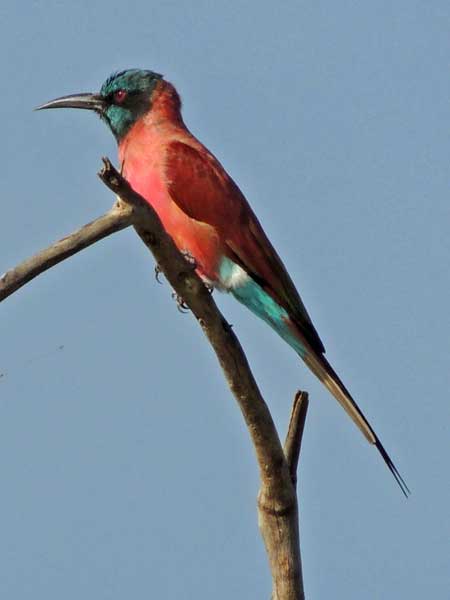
294	435
277	502
114	220
280	532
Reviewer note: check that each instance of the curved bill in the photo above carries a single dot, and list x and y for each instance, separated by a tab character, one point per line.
85	101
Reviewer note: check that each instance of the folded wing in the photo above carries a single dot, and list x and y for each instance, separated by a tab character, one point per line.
202	189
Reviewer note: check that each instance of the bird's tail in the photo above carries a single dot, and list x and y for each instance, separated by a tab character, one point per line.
259	301
326	374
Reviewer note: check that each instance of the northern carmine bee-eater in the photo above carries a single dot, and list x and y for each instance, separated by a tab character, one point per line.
207	216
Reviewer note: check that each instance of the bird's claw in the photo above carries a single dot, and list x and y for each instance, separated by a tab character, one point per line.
181	304
158	272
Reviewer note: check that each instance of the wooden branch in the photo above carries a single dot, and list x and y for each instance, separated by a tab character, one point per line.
280	531
114	220
277	501
294	435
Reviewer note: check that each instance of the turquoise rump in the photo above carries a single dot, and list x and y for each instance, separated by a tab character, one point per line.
251	295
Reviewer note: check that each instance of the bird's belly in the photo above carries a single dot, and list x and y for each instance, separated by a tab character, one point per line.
198	239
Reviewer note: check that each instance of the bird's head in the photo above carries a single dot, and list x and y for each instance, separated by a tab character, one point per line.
122	100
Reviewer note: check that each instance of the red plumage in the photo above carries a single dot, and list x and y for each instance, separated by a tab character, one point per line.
201	206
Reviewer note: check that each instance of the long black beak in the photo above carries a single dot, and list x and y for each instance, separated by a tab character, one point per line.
86	101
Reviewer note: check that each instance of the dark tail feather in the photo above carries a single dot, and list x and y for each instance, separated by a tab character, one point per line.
326	374
392	468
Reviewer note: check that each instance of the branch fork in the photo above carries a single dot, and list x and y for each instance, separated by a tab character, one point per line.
277	498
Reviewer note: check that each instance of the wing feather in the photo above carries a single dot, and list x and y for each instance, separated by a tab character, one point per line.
203	190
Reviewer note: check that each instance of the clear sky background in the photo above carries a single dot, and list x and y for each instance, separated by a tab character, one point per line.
125	467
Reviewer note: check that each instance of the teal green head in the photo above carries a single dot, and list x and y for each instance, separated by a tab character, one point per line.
122	100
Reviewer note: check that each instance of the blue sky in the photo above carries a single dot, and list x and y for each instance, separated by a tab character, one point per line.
126	469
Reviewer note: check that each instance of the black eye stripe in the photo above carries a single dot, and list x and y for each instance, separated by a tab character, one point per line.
111	98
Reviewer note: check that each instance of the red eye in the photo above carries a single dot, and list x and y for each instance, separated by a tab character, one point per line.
120	96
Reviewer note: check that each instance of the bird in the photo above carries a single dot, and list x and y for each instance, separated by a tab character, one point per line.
208	217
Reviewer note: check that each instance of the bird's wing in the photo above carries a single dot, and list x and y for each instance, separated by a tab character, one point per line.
199	185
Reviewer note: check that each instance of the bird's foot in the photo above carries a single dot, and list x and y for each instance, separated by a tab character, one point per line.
181	304
158	272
